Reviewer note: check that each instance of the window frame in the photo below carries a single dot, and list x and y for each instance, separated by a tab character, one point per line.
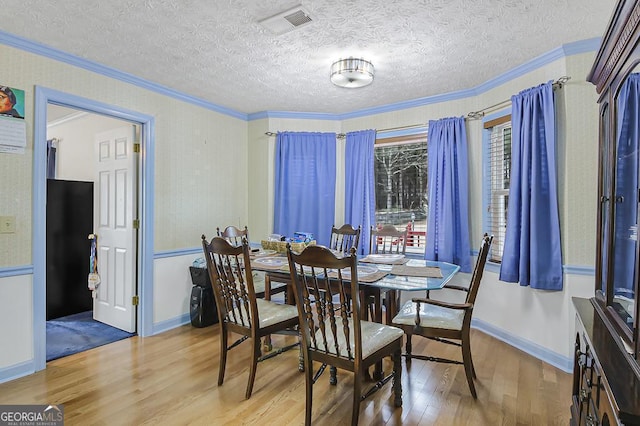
401	137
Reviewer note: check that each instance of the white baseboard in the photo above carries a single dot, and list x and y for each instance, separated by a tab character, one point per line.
172	323
16	371
563	363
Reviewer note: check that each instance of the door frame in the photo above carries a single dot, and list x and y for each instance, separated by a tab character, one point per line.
43	97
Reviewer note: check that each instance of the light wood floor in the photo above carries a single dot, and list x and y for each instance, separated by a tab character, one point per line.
171	379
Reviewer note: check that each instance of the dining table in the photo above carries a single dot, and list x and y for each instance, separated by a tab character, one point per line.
414	275
378	275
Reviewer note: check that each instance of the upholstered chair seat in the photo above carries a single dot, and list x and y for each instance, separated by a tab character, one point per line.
375	336
430	316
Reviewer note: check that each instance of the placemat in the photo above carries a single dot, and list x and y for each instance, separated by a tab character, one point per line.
382	261
369	278
259	266
372	278
417	271
261	254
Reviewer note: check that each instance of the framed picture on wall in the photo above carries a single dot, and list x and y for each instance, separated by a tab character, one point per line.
11	102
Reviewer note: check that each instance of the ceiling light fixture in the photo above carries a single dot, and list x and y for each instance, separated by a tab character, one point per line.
352	73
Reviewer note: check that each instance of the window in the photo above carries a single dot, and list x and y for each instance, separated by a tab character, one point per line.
498	155
401	186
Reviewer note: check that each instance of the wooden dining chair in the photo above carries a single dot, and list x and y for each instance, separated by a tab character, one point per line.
388	239
445	322
234	235
239	310
343	238
333	334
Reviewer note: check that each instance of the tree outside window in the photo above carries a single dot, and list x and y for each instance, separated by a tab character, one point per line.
401	187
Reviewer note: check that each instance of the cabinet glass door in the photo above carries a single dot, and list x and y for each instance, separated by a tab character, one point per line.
625	238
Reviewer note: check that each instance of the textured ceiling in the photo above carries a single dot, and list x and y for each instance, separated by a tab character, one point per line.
215	50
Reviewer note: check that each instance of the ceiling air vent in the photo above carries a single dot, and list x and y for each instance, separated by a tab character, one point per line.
287	21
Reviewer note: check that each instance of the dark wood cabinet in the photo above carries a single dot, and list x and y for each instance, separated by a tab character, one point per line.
606	391
606	382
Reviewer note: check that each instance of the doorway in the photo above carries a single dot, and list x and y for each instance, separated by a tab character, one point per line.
144	273
90	157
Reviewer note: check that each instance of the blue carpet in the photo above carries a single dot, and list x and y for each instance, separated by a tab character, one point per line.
78	333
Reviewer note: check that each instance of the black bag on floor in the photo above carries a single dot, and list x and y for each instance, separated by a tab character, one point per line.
202	305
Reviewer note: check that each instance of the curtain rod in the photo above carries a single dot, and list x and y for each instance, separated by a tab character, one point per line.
475	115
343	135
409	126
338	135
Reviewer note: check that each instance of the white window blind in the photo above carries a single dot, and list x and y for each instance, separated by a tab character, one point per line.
499	181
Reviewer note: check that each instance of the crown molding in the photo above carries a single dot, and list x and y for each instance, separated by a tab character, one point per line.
293	114
58	55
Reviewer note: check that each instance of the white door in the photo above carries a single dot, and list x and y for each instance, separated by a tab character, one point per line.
115	208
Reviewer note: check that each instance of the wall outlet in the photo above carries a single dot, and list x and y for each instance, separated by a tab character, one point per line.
7	224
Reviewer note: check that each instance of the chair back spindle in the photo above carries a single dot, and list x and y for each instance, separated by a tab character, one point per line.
388	239
329	303
234	235
344	238
232	281
476	276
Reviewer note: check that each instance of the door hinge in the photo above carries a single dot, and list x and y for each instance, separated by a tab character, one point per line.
136	223
135	300
136	147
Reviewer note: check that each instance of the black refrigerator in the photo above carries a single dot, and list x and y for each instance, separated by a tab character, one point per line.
69	222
